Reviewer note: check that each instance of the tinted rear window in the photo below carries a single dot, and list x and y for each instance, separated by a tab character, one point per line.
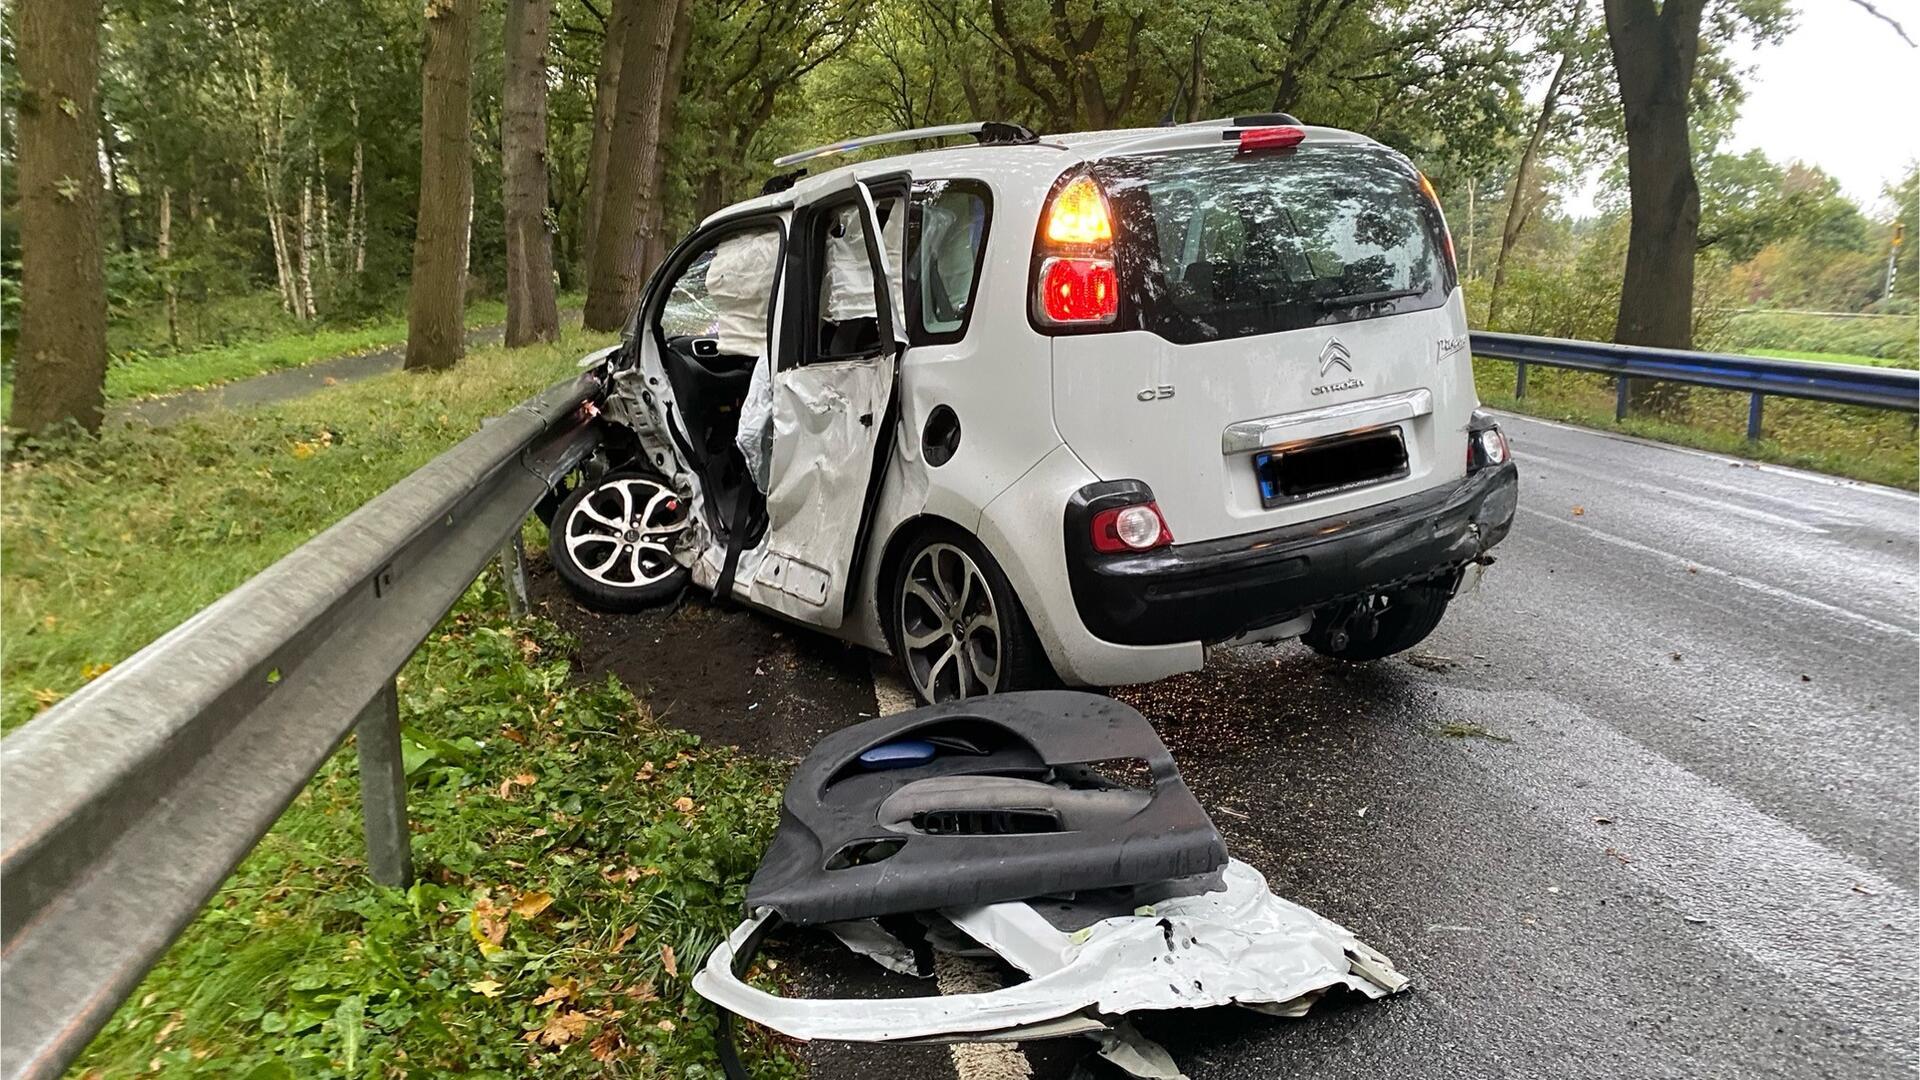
1213	245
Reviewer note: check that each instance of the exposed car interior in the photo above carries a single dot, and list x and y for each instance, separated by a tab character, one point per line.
712	326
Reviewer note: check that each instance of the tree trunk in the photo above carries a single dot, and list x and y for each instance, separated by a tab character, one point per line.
163	248
356	196
436	334
531	313
60	361
306	250
1517	214
326	223
1653	55
670	95
606	95
619	264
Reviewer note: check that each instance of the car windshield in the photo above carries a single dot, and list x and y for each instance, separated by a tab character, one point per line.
1217	245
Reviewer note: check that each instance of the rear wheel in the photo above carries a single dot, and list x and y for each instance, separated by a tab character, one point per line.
956	625
612	542
1379	625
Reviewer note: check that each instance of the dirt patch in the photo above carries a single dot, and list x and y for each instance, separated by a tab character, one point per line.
724	673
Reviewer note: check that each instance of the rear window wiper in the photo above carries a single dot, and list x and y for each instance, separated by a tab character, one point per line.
1351	299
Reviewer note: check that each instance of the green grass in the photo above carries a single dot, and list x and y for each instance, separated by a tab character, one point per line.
134	374
524	784
1834	358
1864	444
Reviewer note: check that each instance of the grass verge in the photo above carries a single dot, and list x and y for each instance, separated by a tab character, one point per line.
576	858
136	374
1874	445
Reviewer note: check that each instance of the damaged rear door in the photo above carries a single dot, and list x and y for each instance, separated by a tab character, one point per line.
834	399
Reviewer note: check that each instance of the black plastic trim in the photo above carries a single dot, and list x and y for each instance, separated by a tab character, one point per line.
1212	590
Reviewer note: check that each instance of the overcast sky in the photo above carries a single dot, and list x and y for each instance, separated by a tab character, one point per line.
1841	92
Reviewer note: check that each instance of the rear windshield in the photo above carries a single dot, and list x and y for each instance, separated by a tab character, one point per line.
1214	245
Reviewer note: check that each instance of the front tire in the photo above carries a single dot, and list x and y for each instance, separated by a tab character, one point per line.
1379	625
955	624
611	542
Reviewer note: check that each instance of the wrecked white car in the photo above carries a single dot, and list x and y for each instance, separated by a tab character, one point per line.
1071	408
1050	829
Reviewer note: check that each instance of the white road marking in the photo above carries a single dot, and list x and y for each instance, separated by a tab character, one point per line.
1682	496
1520	455
1838	932
1738	579
953	974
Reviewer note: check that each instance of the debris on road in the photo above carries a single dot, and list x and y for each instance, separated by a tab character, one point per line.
1023	827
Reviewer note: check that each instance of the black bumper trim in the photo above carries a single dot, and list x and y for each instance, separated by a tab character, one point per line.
1213	590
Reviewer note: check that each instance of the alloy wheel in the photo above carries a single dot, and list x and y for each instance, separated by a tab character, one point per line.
949	629
619	534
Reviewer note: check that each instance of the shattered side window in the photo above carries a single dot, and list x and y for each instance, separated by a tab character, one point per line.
725	293
949	238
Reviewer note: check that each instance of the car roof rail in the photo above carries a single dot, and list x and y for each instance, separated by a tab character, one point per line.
1272	119
984	132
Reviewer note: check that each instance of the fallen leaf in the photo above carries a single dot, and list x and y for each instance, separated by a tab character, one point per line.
1579	511
1603	821
561	1028
1674	657
525	779
488	924
606	1046
642	992
665	1025
625	935
1806	678
685	804
667	962
1863	890
513	734
94	671
559	991
172	1026
646	771
485	988
530	905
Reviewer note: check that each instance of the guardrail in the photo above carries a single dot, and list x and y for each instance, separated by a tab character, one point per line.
124	807
1762	377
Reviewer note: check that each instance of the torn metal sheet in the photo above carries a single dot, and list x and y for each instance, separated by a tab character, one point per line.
1235	944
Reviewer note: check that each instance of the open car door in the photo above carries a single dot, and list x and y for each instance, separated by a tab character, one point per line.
833	406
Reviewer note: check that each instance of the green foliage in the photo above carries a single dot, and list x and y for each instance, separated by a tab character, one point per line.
576	862
1891	338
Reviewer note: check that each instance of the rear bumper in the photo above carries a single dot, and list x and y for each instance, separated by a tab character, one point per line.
1216	589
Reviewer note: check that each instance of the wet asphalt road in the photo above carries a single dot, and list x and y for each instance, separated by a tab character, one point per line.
1643	806
1685	843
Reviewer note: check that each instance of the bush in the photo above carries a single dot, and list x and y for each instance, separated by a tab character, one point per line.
1892	338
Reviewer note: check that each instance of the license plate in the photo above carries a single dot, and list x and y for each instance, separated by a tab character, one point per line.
1308	470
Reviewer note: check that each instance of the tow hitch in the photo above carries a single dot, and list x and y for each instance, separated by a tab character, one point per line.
1050	829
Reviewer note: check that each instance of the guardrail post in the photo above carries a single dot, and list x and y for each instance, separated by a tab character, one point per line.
1753	416
383	789
1519	380
513	573
1620	398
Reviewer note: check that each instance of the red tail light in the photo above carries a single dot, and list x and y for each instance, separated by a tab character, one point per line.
1253	140
1140	527
1074	290
1076	284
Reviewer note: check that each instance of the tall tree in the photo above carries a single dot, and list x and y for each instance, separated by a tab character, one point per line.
620	250
61	360
606	96
436	334
531	312
1654	52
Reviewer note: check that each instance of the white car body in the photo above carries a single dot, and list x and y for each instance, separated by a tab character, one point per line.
1044	415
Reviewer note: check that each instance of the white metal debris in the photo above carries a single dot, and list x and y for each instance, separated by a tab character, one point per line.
1236	945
